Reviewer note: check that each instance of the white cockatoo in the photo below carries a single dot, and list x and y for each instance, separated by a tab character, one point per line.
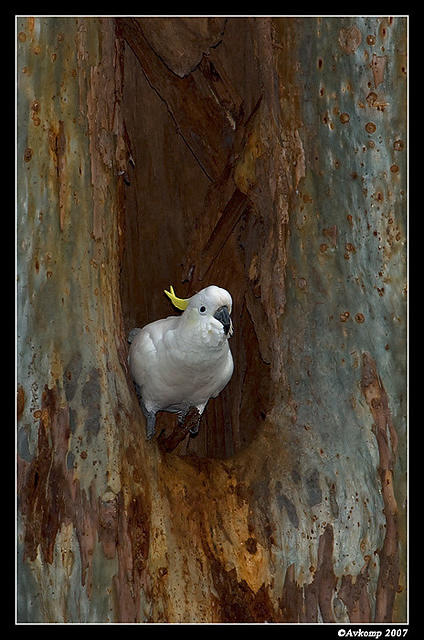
182	361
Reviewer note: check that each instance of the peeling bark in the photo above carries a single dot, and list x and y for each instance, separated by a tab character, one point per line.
376	398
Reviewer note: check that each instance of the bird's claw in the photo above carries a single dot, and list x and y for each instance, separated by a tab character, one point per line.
150	425
149	415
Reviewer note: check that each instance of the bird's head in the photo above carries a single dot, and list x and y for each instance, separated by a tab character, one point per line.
210	308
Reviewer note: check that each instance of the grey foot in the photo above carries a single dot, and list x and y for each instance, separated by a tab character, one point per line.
181	418
149	415
150	425
195	428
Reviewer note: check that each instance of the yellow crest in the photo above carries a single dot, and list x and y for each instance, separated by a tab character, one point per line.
180	303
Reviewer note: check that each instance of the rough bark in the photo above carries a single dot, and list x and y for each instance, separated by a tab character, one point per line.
266	155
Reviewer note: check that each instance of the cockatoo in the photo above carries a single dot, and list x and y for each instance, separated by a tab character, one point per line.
180	362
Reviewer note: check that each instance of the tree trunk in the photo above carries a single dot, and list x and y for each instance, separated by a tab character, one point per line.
267	156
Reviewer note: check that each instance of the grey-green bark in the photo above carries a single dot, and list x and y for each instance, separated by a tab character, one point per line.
267	156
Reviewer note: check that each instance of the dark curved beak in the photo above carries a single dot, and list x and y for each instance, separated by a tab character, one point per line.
222	314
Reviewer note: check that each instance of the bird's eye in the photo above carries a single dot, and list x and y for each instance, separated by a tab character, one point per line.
202	309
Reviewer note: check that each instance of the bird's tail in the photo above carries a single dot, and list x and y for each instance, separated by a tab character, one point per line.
132	334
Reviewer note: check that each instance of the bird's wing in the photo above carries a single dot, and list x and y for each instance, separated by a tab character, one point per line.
146	346
157	330
225	375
